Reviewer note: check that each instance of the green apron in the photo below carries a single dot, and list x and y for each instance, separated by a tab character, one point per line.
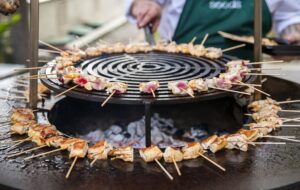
210	16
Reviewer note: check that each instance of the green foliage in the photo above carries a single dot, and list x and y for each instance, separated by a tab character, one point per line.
6	25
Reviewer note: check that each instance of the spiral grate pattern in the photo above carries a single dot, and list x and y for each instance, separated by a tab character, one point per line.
144	67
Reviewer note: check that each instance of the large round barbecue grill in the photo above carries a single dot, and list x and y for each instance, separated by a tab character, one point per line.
143	67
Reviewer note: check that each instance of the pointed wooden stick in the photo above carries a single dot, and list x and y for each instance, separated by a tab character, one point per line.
153	93
288	137
290	111
273	143
31	68
50	46
228	90
42	154
176	167
294	119
258	90
108	98
17	144
262	62
71	168
36	76
26	151
62	93
163	168
93	162
234	47
204	39
214	163
264	69
263	74
193	40
49	51
289	125
282	138
289	101
190	94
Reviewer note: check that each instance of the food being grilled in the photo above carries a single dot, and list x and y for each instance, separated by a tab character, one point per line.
9	6
150	154
180	88
55	141
21	115
149	87
116	87
218	144
198	85
100	150
22	128
251	135
172	154
208	141
213	53
192	150
123	153
40	132
78	149
236	141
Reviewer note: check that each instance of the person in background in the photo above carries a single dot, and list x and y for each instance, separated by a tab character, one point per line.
182	20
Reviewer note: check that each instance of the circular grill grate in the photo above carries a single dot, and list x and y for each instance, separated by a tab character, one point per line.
144	67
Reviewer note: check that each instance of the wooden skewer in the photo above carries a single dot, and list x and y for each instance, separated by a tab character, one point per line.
176	167
289	125
93	162
264	69
204	39
263	74
36	76
290	111
282	138
258	90
262	62
24	152
17	144
62	93
50	51
42	154
43	77
193	40
228	90
289	101
153	93
190	94
31	68
214	163
294	119
71	168
108	98
288	137
234	47
51	46
269	143
163	168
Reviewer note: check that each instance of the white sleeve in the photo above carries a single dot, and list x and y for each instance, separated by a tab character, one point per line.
128	4
284	13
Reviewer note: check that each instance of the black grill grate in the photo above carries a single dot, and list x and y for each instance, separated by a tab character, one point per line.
143	67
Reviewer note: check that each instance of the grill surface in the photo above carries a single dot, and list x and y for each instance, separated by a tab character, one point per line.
143	67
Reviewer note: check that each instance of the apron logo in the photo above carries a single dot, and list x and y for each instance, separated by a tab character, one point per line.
235	4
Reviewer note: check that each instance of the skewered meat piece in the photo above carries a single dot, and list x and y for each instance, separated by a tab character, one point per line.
264	114
105	48
160	46
149	87
98	83
273	119
236	63
151	153
171	48
22	128
100	150
55	141
9	6
183	48
123	153
208	141
192	150
69	142
223	83
83	82
198	51
22	115
69	74
211	83
265	124
232	77
93	52
257	105
236	141
78	149
131	48
42	131
251	135
198	85
266	107
119	47
171	154
213	53
180	88
117	87
217	145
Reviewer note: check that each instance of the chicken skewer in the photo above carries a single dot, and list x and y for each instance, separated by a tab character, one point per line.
99	151
115	88
149	87
173	155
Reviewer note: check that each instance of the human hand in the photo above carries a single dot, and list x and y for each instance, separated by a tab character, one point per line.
146	12
292	34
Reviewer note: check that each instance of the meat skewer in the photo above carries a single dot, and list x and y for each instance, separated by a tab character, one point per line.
114	88
173	155
180	88
99	151
153	153
123	153
149	87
